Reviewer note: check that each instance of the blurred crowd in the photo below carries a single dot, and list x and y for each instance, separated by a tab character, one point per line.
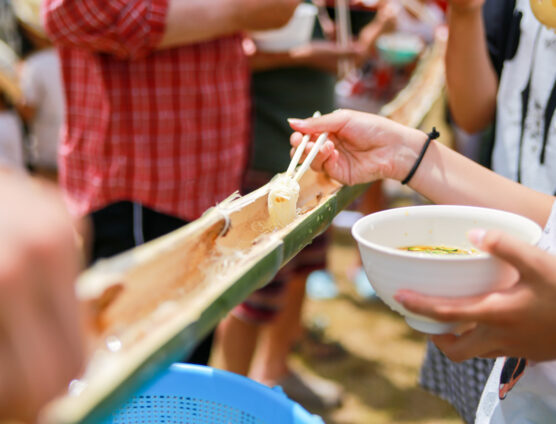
32	101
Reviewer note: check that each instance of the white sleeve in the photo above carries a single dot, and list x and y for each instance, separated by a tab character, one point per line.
30	81
548	238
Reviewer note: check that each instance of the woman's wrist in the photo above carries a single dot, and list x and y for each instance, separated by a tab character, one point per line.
412	144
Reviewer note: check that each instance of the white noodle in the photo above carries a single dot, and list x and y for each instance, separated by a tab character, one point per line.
282	201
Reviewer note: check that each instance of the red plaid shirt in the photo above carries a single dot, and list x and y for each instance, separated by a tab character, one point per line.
165	128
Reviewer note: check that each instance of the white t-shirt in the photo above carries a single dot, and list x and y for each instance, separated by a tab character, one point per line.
533	398
41	83
11	140
539	60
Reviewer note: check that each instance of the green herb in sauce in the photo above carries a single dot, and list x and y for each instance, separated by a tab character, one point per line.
439	250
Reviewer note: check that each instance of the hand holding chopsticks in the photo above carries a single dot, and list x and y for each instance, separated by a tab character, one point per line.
299	151
284	193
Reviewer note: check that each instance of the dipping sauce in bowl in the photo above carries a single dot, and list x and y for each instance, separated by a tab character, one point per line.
439	250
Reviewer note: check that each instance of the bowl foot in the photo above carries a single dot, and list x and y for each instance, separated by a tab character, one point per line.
431	327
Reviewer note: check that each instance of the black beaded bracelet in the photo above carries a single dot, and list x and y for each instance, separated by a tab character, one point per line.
433	135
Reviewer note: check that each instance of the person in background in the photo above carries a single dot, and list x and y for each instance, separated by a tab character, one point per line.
11	127
42	334
500	70
516	322
296	82
256	338
11	141
42	106
9	29
157	117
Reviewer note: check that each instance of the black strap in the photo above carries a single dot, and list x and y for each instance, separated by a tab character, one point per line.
524	108
548	114
525	94
433	135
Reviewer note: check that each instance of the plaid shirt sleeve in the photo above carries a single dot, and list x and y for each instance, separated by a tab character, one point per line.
124	28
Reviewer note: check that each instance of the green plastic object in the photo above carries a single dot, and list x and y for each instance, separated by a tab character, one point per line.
399	49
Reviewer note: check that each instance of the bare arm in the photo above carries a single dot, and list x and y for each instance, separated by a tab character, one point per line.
321	55
514	321
445	176
134	28
192	20
42	336
384	21
472	82
368	147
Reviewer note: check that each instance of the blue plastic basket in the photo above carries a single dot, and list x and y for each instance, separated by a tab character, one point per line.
195	394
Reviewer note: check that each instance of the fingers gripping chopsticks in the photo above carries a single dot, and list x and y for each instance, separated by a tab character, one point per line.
310	157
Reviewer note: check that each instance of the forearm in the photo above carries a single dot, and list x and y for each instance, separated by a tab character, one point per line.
190	21
134	28
318	55
472	82
447	177
369	34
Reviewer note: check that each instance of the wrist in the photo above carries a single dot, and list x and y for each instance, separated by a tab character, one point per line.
412	142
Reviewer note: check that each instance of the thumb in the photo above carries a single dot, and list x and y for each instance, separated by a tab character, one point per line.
521	255
330	123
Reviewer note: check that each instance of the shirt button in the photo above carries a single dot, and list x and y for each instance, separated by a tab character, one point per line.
534	149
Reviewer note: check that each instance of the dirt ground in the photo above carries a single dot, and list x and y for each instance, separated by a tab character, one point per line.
379	366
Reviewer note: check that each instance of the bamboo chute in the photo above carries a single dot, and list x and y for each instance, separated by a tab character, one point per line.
153	303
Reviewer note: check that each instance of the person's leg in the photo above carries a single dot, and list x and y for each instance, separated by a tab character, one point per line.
278	337
373	200
271	366
238	333
236	344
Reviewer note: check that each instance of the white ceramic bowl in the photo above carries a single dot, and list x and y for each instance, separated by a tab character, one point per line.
389	269
296	32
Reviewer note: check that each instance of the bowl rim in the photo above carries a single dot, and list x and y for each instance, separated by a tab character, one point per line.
355	231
